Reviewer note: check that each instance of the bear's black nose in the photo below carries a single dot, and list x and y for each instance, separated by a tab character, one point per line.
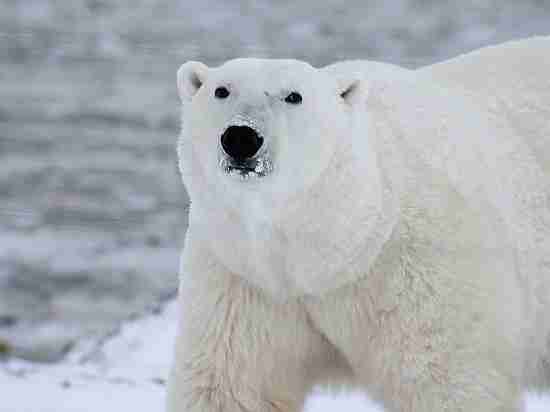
241	142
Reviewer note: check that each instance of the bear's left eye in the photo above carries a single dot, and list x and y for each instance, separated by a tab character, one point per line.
294	98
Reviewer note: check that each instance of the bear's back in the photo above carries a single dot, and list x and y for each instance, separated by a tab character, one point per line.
512	78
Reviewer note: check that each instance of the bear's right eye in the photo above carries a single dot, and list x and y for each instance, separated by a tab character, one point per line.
221	92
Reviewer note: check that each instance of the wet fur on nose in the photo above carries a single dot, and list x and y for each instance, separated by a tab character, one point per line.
241	142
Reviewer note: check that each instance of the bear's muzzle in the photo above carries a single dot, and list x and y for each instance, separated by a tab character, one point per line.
241	142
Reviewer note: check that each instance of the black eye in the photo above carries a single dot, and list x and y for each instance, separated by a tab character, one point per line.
221	92
294	98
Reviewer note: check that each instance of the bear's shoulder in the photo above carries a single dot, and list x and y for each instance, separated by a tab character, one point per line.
367	69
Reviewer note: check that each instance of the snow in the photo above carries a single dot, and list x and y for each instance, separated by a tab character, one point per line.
128	372
45	393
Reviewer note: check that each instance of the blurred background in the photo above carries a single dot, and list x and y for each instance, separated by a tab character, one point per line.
92	210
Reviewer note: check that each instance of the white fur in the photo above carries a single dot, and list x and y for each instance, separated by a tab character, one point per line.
400	244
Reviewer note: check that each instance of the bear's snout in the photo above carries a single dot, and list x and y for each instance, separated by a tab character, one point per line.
241	142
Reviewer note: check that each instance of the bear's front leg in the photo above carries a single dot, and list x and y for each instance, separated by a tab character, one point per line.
445	357
437	323
238	350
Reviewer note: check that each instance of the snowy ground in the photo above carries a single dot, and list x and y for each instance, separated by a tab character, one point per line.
128	372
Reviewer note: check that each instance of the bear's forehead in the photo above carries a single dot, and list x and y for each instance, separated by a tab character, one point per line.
265	72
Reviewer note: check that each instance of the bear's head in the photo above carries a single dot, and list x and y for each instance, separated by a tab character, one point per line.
254	125
275	157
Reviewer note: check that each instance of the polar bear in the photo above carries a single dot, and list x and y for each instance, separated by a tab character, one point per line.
366	226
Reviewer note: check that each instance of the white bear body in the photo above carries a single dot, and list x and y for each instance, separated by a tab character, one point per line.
397	243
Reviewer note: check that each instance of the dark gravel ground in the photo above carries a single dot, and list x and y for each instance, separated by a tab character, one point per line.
92	212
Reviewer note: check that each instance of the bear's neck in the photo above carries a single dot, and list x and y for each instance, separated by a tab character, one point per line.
336	229
319	240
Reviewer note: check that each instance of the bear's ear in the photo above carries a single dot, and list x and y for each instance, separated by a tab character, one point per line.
191	76
351	89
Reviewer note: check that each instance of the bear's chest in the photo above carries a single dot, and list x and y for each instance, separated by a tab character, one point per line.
264	253
296	257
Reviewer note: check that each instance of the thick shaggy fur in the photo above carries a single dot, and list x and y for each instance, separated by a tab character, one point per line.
400	245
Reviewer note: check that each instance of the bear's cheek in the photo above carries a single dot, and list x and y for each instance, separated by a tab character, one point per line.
200	151
307	157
